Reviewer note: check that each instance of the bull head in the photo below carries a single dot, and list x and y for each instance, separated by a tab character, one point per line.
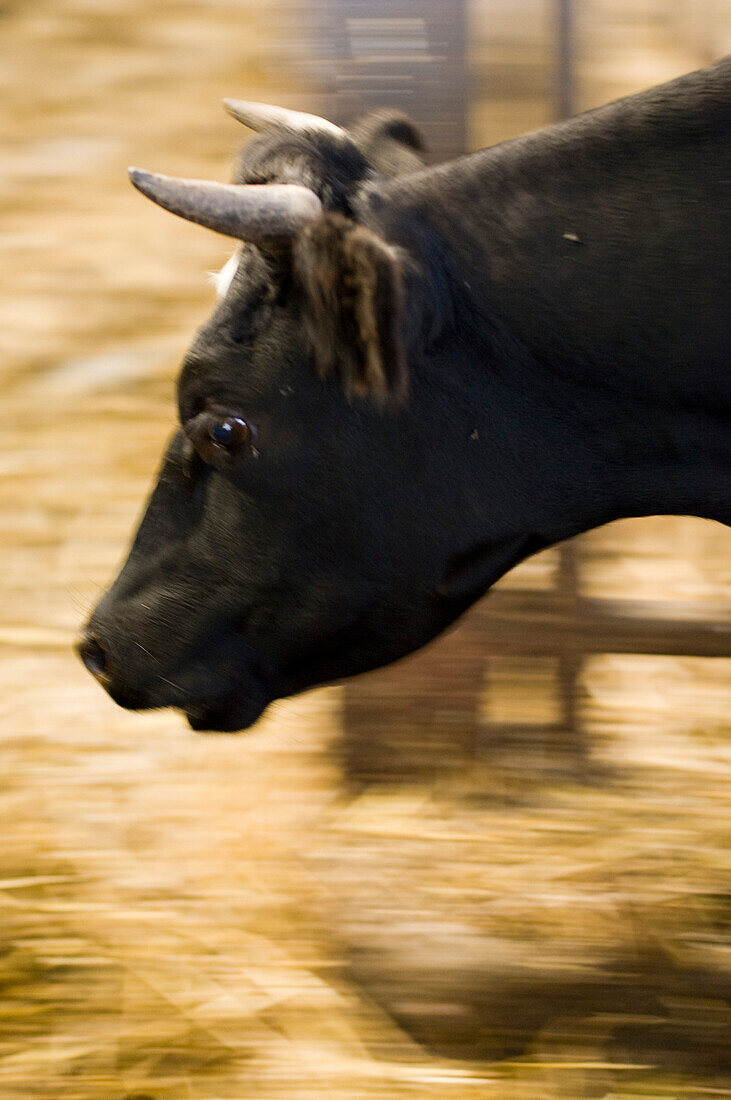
309	521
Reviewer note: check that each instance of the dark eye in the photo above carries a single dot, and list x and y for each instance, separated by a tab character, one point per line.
218	436
229	432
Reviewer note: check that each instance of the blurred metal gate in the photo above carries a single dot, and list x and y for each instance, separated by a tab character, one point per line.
408	54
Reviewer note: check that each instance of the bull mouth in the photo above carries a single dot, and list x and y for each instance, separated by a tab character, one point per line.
233	712
226	715
237	694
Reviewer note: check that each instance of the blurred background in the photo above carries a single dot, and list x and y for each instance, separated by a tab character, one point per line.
501	868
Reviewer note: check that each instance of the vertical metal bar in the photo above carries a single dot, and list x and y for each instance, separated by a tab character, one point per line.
564	59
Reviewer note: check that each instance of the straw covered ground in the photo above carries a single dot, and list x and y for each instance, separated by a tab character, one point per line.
192	918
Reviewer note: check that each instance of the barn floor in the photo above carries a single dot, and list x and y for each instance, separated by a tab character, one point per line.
186	917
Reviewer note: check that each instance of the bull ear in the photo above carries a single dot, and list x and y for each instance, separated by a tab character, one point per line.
352	282
390	142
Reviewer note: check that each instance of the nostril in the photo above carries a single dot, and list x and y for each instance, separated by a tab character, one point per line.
94	656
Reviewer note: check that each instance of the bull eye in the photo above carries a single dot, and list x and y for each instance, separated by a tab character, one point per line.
229	432
220	436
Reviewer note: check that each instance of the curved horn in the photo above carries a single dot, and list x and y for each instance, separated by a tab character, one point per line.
251	212
262	117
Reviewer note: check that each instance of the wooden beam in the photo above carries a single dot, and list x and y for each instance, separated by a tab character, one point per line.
550	623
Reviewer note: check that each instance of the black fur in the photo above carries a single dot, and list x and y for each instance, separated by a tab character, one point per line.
332	170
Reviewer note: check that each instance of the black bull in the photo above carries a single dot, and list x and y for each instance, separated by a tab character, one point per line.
417	377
